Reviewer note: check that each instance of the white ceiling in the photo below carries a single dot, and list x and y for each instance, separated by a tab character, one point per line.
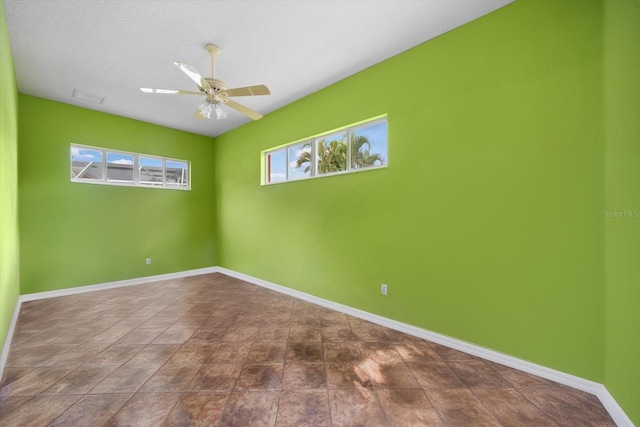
112	48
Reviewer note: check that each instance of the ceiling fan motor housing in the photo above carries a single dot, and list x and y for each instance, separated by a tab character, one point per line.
216	85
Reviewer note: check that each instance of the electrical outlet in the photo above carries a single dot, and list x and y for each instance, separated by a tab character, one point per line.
148	261
383	289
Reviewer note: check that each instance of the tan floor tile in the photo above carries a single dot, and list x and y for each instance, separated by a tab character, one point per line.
408	408
434	375
511	408
110	335
304	408
230	352
198	409
273	334
304	376
339	352
140	336
91	410
519	379
369	334
9	374
380	352
567	408
337	333
477	374
35	381
192	354
208	335
390	375
38	411
355	406
303	333
260	377
447	353
241	334
154	354
115	355
41	355
78	355
10	404
174	335
144	410
347	374
459	407
81	380
305	352
251	408
126	379
417	352
221	377
265	352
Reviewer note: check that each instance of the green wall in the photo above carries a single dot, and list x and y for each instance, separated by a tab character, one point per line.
9	236
486	223
79	234
622	167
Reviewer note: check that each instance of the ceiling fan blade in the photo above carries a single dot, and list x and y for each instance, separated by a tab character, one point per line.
193	75
248	91
244	110
169	91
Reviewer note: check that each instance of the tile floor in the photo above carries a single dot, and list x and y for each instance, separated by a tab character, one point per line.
215	351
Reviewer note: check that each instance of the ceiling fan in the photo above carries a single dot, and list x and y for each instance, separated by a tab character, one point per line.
216	92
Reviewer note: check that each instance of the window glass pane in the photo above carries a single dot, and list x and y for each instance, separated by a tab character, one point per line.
177	174
369	146
332	153
276	166
151	171
86	163
300	161
120	167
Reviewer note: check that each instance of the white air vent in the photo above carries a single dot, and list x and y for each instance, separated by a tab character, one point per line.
96	99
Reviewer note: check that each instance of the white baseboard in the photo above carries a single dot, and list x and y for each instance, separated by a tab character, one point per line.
597	389
117	284
615	411
7	341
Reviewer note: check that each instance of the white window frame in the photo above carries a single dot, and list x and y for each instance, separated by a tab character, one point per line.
136	169
348	130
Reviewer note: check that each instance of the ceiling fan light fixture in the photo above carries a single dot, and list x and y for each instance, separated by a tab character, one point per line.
221	112
205	109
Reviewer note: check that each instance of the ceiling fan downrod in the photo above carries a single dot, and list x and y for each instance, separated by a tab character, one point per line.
213	52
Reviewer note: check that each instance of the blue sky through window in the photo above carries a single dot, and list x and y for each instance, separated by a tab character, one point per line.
85	155
150	162
278	172
295	152
120	159
377	136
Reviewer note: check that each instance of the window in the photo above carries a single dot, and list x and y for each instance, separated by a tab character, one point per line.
103	166
176	174
299	161
86	164
332	153
350	149
277	166
120	167
151	171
